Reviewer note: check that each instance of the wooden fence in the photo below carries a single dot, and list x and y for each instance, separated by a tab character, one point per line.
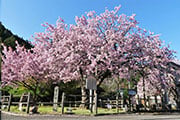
117	103
7	100
75	103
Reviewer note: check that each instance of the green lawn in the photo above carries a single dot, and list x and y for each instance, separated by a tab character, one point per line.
77	111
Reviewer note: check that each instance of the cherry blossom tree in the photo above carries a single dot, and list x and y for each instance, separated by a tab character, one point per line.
153	69
26	67
96	45
111	43
93	43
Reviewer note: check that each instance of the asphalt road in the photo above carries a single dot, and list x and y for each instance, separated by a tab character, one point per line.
106	117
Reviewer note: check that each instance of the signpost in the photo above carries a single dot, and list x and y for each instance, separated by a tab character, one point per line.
91	85
132	92
55	100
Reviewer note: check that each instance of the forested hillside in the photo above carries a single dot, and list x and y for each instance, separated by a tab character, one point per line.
8	38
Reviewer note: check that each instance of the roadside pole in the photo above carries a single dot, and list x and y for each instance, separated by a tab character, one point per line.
62	103
91	85
91	100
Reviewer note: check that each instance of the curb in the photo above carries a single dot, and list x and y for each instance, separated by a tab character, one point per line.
66	115
29	115
15	114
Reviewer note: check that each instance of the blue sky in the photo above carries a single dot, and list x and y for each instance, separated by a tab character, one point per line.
24	17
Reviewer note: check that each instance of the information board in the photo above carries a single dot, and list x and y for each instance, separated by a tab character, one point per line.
91	83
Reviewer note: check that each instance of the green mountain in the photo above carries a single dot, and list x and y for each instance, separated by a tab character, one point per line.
8	38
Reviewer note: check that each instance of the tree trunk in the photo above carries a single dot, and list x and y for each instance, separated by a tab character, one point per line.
34	99
83	89
95	102
144	93
34	108
83	97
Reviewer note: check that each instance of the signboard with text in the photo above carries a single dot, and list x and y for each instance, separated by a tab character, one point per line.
91	83
131	92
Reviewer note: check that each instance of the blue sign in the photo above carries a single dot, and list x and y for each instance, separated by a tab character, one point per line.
131	92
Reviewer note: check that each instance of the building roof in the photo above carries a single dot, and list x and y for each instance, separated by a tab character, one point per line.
176	61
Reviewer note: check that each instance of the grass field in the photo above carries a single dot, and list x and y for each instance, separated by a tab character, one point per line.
77	111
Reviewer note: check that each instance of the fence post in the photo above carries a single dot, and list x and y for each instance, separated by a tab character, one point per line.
75	102
28	103
55	99
117	103
101	104
95	102
156	102
138	103
130	104
148	101
62	103
9	102
20	102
